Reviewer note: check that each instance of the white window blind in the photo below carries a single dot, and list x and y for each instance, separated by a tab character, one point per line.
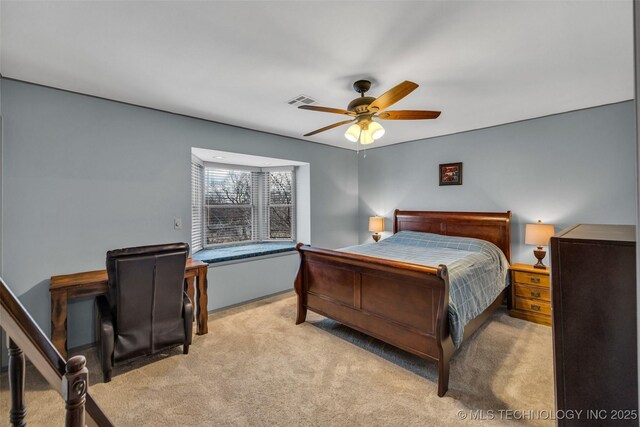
279	205
242	205
229	206
197	178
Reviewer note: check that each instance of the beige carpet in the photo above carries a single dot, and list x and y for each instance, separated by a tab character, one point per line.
255	367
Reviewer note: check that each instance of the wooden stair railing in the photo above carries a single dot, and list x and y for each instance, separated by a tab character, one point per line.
69	378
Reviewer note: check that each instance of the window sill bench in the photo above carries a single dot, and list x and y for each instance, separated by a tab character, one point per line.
242	252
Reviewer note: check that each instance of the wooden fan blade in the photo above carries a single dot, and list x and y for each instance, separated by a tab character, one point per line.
392	96
408	115
327	110
335	125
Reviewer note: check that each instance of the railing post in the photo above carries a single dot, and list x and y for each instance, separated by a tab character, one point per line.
74	390
18	411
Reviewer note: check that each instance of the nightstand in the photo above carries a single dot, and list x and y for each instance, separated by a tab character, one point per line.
530	294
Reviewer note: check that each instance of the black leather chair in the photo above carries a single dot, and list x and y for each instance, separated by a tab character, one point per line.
146	309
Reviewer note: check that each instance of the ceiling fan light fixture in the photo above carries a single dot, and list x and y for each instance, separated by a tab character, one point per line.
376	130
365	137
364	109
353	133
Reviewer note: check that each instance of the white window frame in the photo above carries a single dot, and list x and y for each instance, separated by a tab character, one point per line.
260	231
267	203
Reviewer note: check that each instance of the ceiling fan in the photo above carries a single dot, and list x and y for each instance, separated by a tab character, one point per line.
365	108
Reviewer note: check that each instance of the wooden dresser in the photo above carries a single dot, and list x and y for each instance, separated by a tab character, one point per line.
530	294
593	284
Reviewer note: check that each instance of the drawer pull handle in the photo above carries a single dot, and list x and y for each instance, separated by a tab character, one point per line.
535	307
535	294
535	279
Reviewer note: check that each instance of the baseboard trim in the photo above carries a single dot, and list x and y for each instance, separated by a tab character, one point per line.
227	307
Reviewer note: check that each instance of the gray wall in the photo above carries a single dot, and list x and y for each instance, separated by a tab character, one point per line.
563	169
3	353
84	175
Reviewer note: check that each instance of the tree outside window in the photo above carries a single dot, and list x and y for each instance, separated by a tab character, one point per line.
247	205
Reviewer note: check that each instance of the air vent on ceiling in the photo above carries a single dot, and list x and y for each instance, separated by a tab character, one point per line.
301	100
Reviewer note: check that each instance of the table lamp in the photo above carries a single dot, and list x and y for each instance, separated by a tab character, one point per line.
538	235
376	225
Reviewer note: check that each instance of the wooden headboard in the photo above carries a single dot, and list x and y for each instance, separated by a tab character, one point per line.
494	227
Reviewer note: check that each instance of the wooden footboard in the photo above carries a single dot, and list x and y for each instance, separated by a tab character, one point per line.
403	304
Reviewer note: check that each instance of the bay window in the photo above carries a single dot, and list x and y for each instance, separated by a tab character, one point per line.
239	204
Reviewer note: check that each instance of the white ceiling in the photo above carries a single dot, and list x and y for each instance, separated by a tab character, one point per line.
229	158
482	63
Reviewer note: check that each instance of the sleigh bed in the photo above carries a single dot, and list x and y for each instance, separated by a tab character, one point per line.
401	303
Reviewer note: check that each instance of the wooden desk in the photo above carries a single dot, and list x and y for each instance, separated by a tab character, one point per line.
93	283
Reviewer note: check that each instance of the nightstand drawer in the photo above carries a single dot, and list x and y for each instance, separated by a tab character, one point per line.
530	279
532	306
535	292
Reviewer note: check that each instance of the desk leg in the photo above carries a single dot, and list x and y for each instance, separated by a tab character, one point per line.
202	302
59	321
191	290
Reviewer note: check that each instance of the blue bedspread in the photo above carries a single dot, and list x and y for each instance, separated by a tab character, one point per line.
478	270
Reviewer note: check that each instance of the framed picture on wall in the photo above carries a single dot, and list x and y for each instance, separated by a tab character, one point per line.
451	174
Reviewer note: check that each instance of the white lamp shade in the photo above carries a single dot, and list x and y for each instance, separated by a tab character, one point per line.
538	234
365	137
353	133
376	224
376	130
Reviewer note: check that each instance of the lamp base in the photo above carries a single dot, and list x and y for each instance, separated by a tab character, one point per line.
376	237
540	254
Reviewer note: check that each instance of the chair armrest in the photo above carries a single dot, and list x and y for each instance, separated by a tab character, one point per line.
105	334
187	314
